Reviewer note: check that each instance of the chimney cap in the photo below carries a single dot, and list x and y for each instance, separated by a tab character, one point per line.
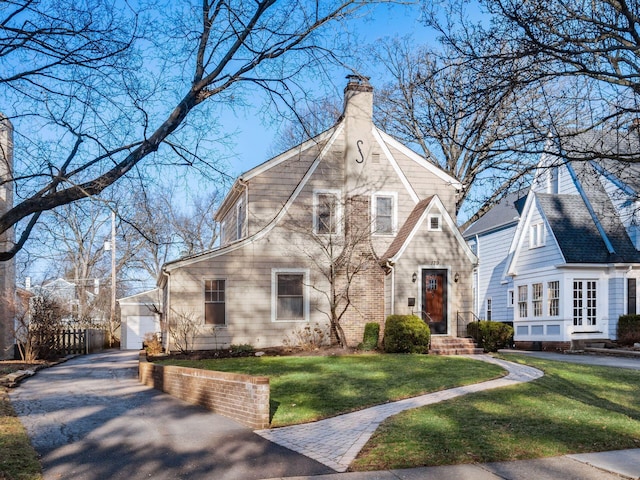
358	83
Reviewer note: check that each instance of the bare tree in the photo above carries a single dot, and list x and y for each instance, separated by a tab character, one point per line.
183	328
111	102
340	256
440	105
583	56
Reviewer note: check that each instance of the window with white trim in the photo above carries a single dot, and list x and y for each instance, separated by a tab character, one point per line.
523	301
584	302
537	234
214	302
489	312
384	206
326	207
553	298
240	219
290	295
434	222
536	299
510	298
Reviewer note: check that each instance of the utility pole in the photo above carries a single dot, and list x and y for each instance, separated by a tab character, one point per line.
112	316
111	245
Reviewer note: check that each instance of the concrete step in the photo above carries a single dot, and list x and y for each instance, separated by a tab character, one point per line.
453	346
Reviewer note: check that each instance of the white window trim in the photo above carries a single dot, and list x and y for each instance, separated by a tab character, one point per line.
537	239
394	213
240	231
510	297
488	307
274	293
316	203
431	216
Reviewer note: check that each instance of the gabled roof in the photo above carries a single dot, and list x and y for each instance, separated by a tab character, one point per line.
412	225
144	298
573	228
503	214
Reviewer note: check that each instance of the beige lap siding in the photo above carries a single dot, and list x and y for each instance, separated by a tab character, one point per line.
244	398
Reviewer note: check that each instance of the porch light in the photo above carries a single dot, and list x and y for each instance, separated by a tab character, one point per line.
456	277
414	277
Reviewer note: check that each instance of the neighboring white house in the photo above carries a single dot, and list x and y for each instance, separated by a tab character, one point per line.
564	266
284	219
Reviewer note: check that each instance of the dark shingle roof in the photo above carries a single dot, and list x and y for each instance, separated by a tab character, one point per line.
501	215
577	234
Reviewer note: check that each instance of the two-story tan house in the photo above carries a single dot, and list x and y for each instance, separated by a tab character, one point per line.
352	198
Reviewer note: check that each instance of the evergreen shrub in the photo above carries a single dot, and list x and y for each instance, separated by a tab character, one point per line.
489	335
628	329
406	334
371	336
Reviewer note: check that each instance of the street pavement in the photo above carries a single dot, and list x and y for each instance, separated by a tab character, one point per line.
89	418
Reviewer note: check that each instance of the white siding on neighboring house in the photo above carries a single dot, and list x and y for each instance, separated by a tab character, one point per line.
540	257
492	282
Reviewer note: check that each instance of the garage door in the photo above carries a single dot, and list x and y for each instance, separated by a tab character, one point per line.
137	328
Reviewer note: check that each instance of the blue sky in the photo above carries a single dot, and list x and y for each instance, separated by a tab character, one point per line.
254	140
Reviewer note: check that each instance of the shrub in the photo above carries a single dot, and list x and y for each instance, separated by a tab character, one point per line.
489	335
307	338
370	338
152	344
406	334
628	329
243	349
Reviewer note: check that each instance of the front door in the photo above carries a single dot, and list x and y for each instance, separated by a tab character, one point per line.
434	300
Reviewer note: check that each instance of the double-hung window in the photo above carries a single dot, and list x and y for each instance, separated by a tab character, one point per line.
384	217
241	216
522	301
326	212
553	298
290	297
214	302
536	299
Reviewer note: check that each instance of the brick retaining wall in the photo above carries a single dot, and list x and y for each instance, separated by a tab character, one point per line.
244	398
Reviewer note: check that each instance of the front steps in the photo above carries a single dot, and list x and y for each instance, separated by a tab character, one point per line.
453	346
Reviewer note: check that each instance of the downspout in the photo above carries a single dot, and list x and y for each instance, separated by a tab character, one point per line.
389	267
165	308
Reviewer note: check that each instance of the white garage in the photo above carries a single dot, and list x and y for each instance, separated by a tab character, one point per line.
139	315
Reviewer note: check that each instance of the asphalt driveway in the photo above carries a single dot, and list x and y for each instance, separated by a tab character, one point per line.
90	419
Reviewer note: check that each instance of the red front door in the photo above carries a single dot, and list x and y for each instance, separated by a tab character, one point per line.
434	300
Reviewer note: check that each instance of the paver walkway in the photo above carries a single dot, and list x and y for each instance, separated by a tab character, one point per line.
336	441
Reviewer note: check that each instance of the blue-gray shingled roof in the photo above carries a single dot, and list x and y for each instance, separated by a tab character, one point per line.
500	216
577	234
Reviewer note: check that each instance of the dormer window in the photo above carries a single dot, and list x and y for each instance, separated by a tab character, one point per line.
536	236
326	212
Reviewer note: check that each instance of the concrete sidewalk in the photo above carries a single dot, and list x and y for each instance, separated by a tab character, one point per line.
614	465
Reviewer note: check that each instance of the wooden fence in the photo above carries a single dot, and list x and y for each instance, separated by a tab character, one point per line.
78	341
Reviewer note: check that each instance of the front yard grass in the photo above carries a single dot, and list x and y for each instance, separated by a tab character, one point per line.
304	389
572	409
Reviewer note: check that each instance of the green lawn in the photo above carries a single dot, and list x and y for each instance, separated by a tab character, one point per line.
572	409
305	389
